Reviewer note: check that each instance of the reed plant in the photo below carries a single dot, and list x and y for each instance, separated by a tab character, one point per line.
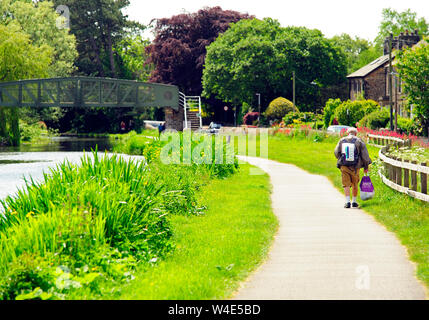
82	229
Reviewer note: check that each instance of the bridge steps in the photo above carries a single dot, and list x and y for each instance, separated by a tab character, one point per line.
193	119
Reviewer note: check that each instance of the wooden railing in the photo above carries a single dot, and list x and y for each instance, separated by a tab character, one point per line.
381	141
404	176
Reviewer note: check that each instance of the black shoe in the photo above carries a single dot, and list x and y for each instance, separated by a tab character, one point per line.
347	205
355	205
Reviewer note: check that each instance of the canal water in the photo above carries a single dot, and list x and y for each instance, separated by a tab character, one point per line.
32	160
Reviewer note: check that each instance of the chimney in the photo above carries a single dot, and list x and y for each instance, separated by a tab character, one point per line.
408	40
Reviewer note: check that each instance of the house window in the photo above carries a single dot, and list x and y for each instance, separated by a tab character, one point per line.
358	85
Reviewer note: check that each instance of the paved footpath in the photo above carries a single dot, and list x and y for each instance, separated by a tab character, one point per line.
323	251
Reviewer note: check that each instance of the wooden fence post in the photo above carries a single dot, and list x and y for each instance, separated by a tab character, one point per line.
414	178
424	180
406	176
393	171
409	143
399	173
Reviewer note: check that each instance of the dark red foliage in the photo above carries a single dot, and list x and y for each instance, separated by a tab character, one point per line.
179	48
250	117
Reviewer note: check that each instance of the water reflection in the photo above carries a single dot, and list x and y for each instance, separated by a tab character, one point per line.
33	160
63	144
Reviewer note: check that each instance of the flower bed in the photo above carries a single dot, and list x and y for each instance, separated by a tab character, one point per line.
415	140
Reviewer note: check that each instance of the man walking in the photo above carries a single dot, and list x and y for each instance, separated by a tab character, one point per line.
352	155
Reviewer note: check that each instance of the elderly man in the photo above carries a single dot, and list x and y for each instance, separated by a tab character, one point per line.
352	155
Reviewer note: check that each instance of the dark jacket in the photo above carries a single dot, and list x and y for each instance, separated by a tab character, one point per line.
364	159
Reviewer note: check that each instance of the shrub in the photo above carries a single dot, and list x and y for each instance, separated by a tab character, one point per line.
406	125
250	117
303	117
329	111
376	119
350	112
278	108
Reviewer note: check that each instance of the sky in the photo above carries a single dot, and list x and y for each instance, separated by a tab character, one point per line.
356	17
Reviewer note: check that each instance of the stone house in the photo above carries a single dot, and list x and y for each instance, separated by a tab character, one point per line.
372	80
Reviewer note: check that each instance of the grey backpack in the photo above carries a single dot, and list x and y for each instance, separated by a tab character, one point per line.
349	153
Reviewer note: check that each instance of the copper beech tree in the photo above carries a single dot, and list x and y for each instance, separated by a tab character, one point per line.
179	49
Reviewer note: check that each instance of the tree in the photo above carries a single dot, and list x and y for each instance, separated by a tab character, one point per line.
260	56
413	67
40	23
359	51
179	48
396	22
132	58
98	25
19	59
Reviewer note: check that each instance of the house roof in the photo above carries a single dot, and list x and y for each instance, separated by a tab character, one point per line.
362	72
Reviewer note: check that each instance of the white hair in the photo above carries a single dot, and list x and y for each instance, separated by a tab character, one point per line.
352	131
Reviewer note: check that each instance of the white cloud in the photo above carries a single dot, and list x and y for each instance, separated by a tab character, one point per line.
357	18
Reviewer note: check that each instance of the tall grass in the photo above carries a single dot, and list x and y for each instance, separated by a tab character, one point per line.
214	253
81	231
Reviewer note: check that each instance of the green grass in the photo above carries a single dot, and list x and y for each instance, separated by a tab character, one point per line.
407	217
107	224
217	250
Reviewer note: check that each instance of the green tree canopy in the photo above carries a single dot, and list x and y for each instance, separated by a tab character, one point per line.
40	23
359	51
413	67
396	22
131	52
99	26
259	56
19	59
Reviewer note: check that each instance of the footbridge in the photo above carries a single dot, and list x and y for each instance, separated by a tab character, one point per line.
81	92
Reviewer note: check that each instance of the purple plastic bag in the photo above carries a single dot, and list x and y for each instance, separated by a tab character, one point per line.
366	188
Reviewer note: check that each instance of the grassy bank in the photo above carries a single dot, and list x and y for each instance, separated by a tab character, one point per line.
88	231
406	217
217	250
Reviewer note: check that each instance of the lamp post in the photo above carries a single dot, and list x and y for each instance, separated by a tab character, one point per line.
395	74
259	104
293	88
390	82
312	83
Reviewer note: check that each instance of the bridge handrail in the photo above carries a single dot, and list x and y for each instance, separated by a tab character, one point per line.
127	81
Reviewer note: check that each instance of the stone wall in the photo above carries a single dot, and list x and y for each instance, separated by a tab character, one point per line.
375	85
174	119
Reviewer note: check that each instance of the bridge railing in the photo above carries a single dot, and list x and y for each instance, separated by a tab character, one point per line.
87	92
189	103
